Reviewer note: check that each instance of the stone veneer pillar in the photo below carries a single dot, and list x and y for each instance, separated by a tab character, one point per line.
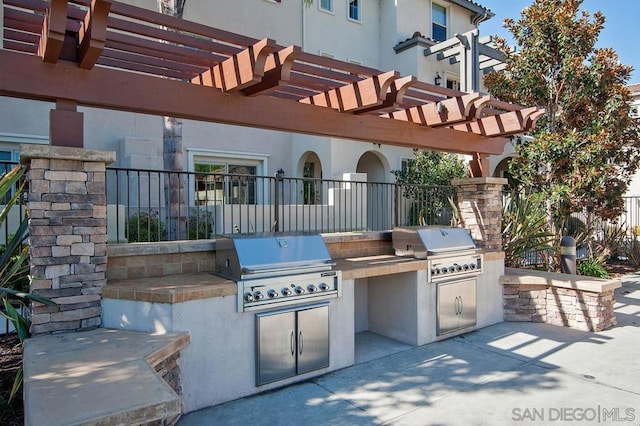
67	235
480	204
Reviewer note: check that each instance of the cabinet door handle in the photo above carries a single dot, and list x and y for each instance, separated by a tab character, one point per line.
461	305
300	342
293	343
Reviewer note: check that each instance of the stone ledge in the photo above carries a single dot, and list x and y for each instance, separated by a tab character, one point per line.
31	151
101	376
513	276
170	288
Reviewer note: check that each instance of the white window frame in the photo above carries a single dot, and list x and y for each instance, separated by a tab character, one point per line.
326	10
359	7
261	161
447	12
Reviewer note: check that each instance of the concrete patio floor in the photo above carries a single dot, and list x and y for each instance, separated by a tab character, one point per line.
505	374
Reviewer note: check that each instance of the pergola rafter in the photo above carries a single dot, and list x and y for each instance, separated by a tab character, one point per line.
119	56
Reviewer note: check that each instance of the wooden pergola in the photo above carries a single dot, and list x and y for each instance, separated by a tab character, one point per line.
106	54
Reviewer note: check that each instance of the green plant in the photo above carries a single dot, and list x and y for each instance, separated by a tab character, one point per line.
14	266
145	227
524	230
200	224
592	269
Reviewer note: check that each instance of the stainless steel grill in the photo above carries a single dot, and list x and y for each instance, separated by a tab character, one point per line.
453	265
275	270
450	251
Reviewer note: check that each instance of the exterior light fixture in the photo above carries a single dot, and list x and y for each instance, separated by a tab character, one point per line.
280	173
438	79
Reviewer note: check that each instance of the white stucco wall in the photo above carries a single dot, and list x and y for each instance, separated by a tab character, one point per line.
219	363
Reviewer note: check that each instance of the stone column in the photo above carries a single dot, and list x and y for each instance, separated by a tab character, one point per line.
480	204
67	235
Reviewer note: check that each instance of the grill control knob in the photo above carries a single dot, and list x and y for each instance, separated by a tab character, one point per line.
248	297
257	295
324	286
444	270
452	268
465	267
458	267
312	288
272	294
472	265
286	291
299	290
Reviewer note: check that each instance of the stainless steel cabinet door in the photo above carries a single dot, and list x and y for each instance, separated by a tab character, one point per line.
467	309
456	305
447	307
313	339
276	347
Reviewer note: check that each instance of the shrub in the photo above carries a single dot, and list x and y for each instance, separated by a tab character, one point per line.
592	269
145	227
200	224
524	230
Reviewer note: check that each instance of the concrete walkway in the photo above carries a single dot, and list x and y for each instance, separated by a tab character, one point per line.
509	373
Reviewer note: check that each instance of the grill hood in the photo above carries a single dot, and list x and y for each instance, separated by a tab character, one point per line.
247	256
430	241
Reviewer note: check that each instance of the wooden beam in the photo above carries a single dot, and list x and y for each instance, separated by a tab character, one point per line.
362	94
93	33
443	113
394	96
53	31
508	123
28	77
241	70
479	165
277	71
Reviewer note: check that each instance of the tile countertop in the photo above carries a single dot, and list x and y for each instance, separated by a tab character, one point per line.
205	285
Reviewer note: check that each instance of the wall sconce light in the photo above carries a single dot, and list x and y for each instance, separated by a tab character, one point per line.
438	79
280	173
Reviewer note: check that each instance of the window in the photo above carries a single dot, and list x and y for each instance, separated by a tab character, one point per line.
453	84
438	22
216	183
326	5
354	10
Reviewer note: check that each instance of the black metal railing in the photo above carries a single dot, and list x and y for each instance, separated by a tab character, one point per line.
157	205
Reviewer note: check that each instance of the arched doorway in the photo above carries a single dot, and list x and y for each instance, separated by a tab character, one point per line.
310	168
502	170
379	193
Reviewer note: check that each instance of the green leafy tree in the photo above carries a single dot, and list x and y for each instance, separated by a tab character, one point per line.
585	150
432	168
425	183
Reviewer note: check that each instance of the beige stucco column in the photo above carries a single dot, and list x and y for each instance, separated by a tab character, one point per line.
480	204
67	234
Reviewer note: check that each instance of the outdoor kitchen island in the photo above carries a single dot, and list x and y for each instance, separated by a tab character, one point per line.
220	363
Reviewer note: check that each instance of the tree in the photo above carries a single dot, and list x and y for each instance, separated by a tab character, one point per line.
423	183
432	168
172	153
585	151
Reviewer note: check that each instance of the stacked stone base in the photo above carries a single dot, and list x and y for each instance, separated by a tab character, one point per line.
579	309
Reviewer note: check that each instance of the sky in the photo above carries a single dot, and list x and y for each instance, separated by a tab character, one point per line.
620	29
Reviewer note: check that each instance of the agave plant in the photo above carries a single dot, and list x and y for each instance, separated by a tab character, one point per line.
14	266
